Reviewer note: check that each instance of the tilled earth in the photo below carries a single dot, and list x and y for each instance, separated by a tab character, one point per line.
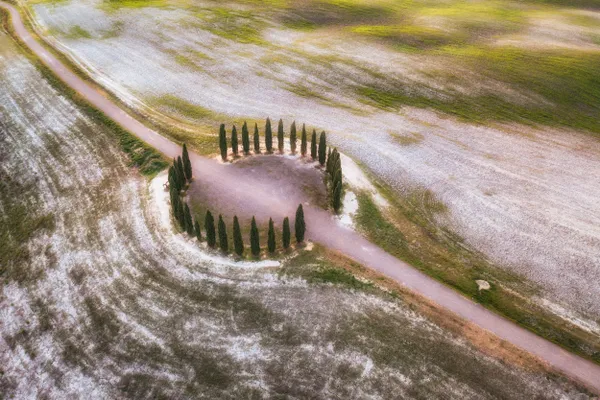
527	198
102	299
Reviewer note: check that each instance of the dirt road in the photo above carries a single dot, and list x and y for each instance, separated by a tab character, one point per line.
244	194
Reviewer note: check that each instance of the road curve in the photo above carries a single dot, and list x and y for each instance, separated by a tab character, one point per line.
245	194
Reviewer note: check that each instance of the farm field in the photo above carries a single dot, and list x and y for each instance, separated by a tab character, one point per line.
102	298
469	135
478	117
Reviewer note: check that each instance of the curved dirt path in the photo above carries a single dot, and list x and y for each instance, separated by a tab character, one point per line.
244	194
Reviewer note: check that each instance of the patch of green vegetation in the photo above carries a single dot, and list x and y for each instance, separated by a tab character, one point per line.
117	4
300	25
568	85
41	1
408	231
584	20
476	19
77	32
114	31
236	25
406	36
338	276
183	107
588	4
317	13
306	92
407	139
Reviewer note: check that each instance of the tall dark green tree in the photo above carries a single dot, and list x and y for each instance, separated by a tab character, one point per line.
174	183
268	136
322	148
334	171
197	230
303	141
254	239
179	212
187	164
173	178
313	145
293	138
223	142
299	224
174	194
180	171
256	140
222	229
180	179
188	221
271	237
245	138
286	233
280	135
234	141
238	242
336	201
209	227
175	207
328	162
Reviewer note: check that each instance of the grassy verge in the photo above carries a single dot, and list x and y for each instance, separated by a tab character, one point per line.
407	232
320	266
148	160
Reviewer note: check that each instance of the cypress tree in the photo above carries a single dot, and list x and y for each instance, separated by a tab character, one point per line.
337	197
187	164
174	204
293	138
181	172
286	233
299	224
322	148
256	140
179	178
332	162
271	237
238	242
209	227
180	213
268	137
254	239
337	175
313	145
280	135
328	162
223	243
197	230
335	180
173	183
188	222
174	197
234	141
303	141
223	142
245	139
